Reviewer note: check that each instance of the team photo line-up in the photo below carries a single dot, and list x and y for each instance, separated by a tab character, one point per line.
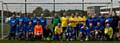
74	26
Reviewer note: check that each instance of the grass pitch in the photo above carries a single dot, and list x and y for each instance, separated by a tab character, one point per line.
17	41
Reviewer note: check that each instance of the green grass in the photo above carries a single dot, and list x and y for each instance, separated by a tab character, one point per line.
17	41
6	28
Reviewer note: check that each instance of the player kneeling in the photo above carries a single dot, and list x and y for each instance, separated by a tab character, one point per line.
98	31
20	31
29	31
108	31
48	34
70	33
58	32
84	33
38	31
92	31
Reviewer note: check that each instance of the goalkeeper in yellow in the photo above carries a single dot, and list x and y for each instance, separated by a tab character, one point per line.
108	31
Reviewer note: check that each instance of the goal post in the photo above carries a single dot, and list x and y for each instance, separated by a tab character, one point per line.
2	11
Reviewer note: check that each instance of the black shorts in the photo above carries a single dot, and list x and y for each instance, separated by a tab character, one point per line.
12	34
64	28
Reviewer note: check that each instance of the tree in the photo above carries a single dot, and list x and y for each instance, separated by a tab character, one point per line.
52	13
38	11
60	13
78	11
46	12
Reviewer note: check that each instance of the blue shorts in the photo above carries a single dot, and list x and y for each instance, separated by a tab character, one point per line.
30	30
12	30
22	30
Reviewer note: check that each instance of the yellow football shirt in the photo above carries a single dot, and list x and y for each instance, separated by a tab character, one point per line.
82	20
64	21
58	30
108	31
72	21
77	20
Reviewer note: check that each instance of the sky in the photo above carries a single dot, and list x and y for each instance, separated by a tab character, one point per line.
31	7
